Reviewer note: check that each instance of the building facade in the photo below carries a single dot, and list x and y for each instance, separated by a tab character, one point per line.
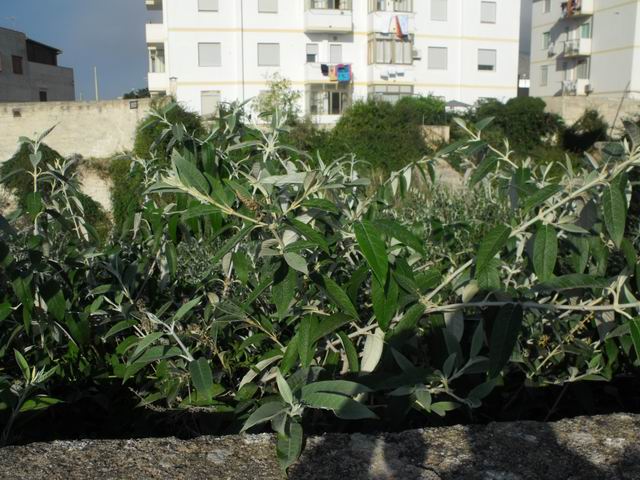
585	47
29	71
333	51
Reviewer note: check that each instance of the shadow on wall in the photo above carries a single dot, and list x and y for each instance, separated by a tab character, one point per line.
596	448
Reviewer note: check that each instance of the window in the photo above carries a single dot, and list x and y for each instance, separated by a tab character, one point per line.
439	10
547	6
582	69
209	55
544	75
328	99
438	58
268	54
17	64
389	49
208	5
487	60
209	102
43	95
390	93
546	40
585	30
335	54
156	58
488	12
268	6
312	52
392	5
330	4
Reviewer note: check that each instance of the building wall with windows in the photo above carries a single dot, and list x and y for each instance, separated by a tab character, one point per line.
210	50
29	71
585	47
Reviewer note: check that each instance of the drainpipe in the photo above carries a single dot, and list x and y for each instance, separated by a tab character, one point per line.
242	48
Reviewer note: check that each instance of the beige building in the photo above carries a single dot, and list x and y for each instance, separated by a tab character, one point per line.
29	71
585	48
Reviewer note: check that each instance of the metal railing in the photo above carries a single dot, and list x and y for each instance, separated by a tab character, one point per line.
400	6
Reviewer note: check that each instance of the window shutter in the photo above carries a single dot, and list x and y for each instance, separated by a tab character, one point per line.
268	6
335	54
487	59
268	54
488	12
209	54
438	58
208	5
544	75
210	100
439	10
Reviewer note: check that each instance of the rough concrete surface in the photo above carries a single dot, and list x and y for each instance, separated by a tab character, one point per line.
605	447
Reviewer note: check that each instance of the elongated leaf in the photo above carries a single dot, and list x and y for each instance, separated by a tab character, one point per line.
394	229
350	352
24	366
306	344
634	328
487	165
310	234
540	197
284	389
327	325
385	302
263	414
614	207
289	445
283	291
296	262
571	281
321	204
492	243
372	353
186	308
145	342
373	249
338	295
344	407
229	244
343	387
545	252
202	378
504	337
190	175
409	321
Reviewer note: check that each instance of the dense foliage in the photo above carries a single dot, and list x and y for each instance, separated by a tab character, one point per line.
259	287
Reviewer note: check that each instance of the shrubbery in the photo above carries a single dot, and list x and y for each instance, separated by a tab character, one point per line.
582	135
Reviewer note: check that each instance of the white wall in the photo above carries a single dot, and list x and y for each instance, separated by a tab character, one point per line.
463	34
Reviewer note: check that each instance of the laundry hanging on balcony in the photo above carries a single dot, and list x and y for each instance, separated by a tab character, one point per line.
333	73
399	25
344	73
324	68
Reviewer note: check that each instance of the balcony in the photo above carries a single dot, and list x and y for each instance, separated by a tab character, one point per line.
385	22
397	6
391	73
577	48
158	82
153	4
579	87
155	33
577	8
313	73
333	16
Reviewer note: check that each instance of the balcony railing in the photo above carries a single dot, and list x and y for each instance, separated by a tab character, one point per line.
400	6
577	47
153	4
329	5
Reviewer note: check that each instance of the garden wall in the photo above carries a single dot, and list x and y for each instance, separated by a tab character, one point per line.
91	129
572	108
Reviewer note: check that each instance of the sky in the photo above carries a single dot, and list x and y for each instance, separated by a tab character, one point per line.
107	34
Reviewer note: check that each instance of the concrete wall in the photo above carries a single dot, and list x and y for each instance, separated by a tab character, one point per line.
87	128
572	108
57	81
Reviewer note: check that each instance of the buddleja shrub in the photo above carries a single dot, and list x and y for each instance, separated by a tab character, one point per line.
318	297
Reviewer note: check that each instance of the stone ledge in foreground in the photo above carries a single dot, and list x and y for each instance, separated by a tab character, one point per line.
604	447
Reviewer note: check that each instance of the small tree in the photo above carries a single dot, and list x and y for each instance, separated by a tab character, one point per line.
280	96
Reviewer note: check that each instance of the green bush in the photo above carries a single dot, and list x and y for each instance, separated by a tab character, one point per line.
126	190
20	184
420	110
152	137
582	135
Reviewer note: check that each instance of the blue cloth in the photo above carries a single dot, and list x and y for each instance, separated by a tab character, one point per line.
344	73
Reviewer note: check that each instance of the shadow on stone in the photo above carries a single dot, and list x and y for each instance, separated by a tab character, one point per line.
587	448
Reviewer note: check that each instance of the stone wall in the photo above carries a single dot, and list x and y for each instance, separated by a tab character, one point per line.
91	129
612	109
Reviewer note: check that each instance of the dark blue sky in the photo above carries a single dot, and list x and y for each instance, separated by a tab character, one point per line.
106	33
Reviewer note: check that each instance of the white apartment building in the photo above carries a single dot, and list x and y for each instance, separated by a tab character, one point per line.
585	47
207	51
